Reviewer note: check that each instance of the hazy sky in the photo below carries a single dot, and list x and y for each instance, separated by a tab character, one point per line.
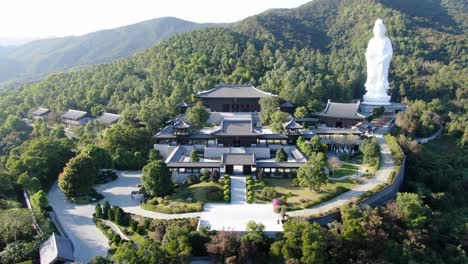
45	18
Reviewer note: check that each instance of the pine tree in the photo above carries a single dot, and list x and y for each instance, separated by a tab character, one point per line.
98	211
105	210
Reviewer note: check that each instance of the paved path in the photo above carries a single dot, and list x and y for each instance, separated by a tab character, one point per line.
381	176
116	229
87	239
77	219
238	190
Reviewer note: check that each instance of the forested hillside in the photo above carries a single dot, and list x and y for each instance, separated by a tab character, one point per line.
34	59
315	51
305	55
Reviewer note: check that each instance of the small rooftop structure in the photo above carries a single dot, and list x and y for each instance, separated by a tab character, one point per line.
341	110
108	118
238	159
182	107
74	114
234	91
344	115
181	124
287	107
56	249
292	124
75	118
365	126
40	112
237	127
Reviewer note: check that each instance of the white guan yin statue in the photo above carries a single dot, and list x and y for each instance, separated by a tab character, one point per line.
378	56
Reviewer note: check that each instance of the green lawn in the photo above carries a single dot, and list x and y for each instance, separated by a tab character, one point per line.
346	169
187	199
300	197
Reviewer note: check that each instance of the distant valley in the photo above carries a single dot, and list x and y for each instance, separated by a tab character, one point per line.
35	59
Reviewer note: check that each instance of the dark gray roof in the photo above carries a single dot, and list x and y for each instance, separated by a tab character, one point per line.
108	118
267	164
238	159
201	136
74	114
234	91
287	105
364	125
56	247
194	164
237	127
332	131
292	124
273	136
181	124
341	110
306	119
40	111
182	104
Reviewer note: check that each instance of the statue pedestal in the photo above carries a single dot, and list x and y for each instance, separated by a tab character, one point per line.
367	107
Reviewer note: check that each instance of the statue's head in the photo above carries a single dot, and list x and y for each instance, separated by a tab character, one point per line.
379	29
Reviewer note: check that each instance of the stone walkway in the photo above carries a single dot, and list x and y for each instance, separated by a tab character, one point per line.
77	220
238	190
381	176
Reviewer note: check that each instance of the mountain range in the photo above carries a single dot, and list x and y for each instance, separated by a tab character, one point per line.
37	58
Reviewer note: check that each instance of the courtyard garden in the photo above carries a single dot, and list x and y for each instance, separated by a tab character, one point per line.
187	198
296	197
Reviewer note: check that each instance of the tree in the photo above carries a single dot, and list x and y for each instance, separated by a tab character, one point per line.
312	174
197	115
224	244
254	243
41	158
334	164
125	253
58	131
277	119
412	209
78	176
301	112
179	249
156	178
154	155
281	155
107	211
6	184
40	201
314	106
15	224
268	106
194	156
314	245
31	184
40	128
214	176
101	157
317	146
99	260
371	151
120	217
14	123
98	211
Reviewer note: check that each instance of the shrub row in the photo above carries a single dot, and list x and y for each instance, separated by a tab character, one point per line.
250	189
339	190
227	188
